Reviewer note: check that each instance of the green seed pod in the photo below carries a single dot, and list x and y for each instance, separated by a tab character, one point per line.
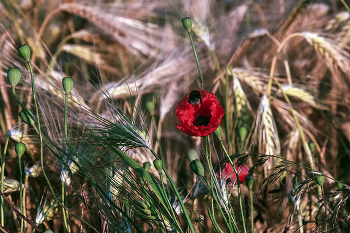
243	133
158	164
48	231
197	167
192	155
320	179
25	118
218	132
249	180
13	76
24	52
20	148
187	23
312	147
150	107
147	166
67	84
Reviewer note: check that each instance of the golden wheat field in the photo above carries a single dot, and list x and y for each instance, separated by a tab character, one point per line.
174	116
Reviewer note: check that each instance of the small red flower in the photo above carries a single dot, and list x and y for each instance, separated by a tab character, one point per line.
229	173
202	116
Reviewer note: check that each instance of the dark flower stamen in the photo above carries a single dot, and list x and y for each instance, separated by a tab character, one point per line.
201	120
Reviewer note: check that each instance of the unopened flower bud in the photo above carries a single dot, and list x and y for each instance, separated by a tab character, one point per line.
197	167
150	107
13	76
312	147
20	148
26	118
249	179
218	132
146	166
24	52
158	164
243	133
320	179
187	23
192	155
67	84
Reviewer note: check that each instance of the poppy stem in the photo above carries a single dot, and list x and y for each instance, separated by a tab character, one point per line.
196	57
238	186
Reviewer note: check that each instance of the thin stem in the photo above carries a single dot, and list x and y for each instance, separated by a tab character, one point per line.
41	146
251	210
227	205
346	6
238	187
168	203
177	194
20	190
24	198
196	57
325	206
19	213
2	179
158	140
227	115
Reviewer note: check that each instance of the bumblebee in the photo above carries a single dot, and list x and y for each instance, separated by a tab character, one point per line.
195	97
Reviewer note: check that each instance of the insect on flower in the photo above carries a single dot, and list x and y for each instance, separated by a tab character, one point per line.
199	113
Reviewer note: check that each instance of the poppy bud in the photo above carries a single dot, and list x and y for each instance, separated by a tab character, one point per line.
158	164
150	107
197	167
26	118
249	180
67	84
13	76
312	147
187	23
192	155
48	231
146	166
20	148
24	52
243	133
320	179
218	132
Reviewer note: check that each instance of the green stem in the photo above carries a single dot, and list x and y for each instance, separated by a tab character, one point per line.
227	115
168	203
325	206
346	6
238	186
41	147
227	205
24	198
158	140
218	204
196	57
2	179
251	210
20	190
177	194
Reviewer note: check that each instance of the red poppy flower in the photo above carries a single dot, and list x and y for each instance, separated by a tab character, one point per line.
229	173
202	116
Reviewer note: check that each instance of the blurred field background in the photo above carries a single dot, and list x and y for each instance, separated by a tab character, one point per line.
137	51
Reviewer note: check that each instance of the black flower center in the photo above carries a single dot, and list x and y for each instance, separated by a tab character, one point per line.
201	120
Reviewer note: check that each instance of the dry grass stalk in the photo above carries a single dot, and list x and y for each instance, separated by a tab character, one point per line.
328	49
266	132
